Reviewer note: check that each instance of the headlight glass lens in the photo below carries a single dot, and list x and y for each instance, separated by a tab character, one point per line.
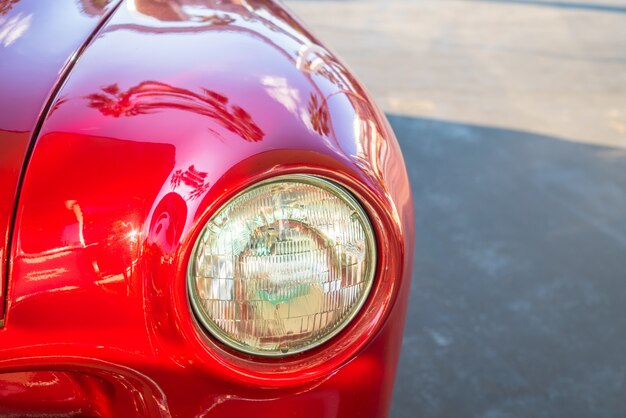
283	266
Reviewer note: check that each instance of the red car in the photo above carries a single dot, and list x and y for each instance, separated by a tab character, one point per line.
202	213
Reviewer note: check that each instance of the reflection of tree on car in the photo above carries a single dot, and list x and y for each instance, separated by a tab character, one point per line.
152	96
6	5
193	178
174	11
94	7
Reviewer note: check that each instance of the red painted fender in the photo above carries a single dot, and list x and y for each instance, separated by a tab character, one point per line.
173	108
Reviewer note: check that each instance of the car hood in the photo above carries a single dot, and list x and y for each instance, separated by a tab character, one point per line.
39	41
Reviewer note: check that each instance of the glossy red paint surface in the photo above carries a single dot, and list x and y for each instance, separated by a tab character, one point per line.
171	110
55	393
38	41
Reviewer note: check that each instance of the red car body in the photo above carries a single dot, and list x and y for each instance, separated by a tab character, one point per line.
123	127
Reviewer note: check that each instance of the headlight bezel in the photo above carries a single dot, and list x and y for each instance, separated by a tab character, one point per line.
348	196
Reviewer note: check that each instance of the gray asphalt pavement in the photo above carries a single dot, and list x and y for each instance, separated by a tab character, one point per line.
512	118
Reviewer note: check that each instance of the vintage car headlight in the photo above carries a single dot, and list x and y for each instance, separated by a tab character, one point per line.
283	266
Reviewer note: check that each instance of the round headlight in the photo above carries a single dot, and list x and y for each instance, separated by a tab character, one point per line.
283	266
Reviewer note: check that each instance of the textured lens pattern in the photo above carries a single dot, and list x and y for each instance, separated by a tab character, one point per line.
283	266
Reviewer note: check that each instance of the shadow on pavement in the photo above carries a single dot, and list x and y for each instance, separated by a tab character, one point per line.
518	301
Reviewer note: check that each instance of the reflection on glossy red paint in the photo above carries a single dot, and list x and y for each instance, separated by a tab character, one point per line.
93	245
55	393
138	153
94	7
192	178
6	5
33	55
153	97
177	11
82	388
320	118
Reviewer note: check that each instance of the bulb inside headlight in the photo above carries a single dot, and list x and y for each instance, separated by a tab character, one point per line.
283	266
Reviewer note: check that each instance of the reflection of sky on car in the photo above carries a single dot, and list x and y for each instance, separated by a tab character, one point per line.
12	28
